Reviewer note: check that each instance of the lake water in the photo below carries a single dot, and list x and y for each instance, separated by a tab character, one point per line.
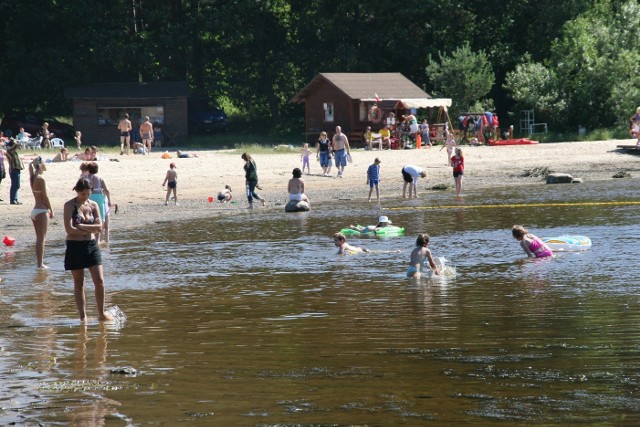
252	319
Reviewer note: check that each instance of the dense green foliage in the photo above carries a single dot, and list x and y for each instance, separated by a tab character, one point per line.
573	61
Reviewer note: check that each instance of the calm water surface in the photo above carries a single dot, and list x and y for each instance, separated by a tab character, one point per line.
253	320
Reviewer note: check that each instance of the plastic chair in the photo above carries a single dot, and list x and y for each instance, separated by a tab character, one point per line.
57	143
35	143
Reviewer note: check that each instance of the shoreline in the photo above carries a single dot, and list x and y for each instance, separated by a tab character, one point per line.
135	180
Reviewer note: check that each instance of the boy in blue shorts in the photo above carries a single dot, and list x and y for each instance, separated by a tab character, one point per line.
373	179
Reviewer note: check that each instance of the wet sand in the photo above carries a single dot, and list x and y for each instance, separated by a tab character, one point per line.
135	181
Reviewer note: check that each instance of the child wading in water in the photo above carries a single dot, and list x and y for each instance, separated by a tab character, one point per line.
305	158
532	244
418	256
344	248
373	179
457	162
171	179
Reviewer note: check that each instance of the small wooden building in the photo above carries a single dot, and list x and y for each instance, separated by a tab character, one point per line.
346	100
97	109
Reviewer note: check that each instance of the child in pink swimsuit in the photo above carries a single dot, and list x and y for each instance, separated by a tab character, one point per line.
532	244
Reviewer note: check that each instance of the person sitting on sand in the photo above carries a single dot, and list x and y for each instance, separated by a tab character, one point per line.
419	254
62	156
140	148
383	221
87	156
183	155
225	195
296	188
344	248
532	244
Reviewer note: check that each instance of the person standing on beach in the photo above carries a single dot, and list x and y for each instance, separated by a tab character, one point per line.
340	148
635	125
324	153
15	168
410	175
373	179
450	144
81	222
424	133
146	133
42	210
251	179
457	162
125	134
304	156
171	180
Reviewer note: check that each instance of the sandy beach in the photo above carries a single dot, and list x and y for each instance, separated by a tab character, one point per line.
135	181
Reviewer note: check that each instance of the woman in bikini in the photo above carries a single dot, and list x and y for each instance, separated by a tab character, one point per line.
42	210
81	221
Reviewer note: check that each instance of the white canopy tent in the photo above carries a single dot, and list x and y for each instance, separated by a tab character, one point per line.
423	103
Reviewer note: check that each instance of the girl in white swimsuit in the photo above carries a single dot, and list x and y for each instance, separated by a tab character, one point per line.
42	210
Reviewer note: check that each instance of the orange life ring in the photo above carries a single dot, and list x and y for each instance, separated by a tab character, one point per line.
376	114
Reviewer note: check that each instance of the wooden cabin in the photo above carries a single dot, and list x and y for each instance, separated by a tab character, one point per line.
98	108
346	100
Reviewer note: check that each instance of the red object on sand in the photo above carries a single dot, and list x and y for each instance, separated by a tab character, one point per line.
210	199
9	241
520	141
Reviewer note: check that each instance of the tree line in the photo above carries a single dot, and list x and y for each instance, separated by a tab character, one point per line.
572	61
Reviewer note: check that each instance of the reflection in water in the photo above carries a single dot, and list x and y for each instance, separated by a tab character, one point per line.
253	319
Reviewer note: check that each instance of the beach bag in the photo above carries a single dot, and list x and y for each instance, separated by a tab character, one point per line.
349	158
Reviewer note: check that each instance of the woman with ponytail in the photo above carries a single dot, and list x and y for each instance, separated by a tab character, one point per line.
42	210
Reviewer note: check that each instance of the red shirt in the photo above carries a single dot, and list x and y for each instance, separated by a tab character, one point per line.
457	163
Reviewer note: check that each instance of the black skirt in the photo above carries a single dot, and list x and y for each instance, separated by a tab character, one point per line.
81	254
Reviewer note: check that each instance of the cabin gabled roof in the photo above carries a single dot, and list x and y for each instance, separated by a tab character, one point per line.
365	86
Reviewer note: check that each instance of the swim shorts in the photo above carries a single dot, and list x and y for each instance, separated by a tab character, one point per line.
81	254
407	176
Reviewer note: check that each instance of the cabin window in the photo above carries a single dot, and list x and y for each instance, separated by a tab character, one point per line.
111	116
328	111
363	112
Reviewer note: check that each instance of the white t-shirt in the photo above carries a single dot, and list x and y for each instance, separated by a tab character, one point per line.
414	171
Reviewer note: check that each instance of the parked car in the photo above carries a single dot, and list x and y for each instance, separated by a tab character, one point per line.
32	123
204	117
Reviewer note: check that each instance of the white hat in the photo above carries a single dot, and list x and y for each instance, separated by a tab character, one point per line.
383	218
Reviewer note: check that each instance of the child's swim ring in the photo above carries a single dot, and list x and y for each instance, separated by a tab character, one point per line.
568	243
389	230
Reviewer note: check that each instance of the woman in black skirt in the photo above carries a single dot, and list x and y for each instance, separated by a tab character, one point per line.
81	221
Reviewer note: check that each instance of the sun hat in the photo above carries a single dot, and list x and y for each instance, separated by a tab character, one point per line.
383	218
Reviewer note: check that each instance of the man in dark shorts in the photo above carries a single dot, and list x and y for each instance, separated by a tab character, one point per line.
125	133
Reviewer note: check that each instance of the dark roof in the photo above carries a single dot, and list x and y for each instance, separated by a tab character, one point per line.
129	90
365	86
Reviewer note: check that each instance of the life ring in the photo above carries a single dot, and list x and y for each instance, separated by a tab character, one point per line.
376	114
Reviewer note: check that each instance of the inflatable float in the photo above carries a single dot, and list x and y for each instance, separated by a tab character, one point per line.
519	141
296	206
568	243
389	230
